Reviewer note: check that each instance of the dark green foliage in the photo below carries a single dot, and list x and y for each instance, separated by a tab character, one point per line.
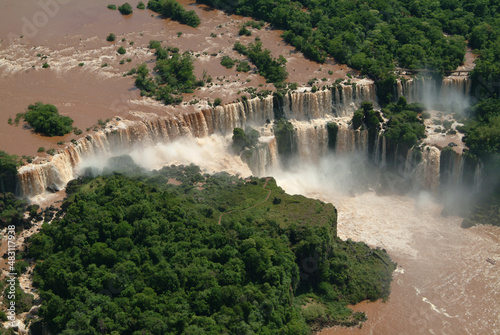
125	9
8	172
45	65
483	132
285	139
270	68
243	66
240	48
227	62
141	5
45	119
23	301
369	36
404	127
244	31
174	75
217	102
11	209
111	37
174	10
140	255
367	116
357	119
244	139
121	50
332	129
113	7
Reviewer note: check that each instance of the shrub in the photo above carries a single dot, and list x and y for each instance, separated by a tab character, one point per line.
112	7
174	10
45	65
45	119
81	64
141	5
447	124
125	9
243	67
426	115
41	149
122	51
244	31
227	62
217	102
10	121
51	152
111	37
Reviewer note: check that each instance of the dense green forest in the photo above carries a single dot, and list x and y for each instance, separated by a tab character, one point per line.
147	255
8	172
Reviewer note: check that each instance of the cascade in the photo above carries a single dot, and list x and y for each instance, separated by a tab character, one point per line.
35	178
260	159
307	105
454	90
342	100
422	167
348	97
379	156
349	140
451	168
478	177
311	139
452	85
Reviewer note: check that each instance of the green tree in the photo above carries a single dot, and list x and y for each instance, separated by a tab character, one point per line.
125	9
45	119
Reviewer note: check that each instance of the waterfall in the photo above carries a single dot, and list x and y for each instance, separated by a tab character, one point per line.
312	139
350	140
307	105
347	98
478	177
451	168
379	156
341	99
423	167
453	92
119	135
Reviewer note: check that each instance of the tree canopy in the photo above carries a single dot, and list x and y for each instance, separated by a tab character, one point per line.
45	119
174	10
135	255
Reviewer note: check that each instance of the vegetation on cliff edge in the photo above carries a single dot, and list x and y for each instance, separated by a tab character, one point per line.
140	254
